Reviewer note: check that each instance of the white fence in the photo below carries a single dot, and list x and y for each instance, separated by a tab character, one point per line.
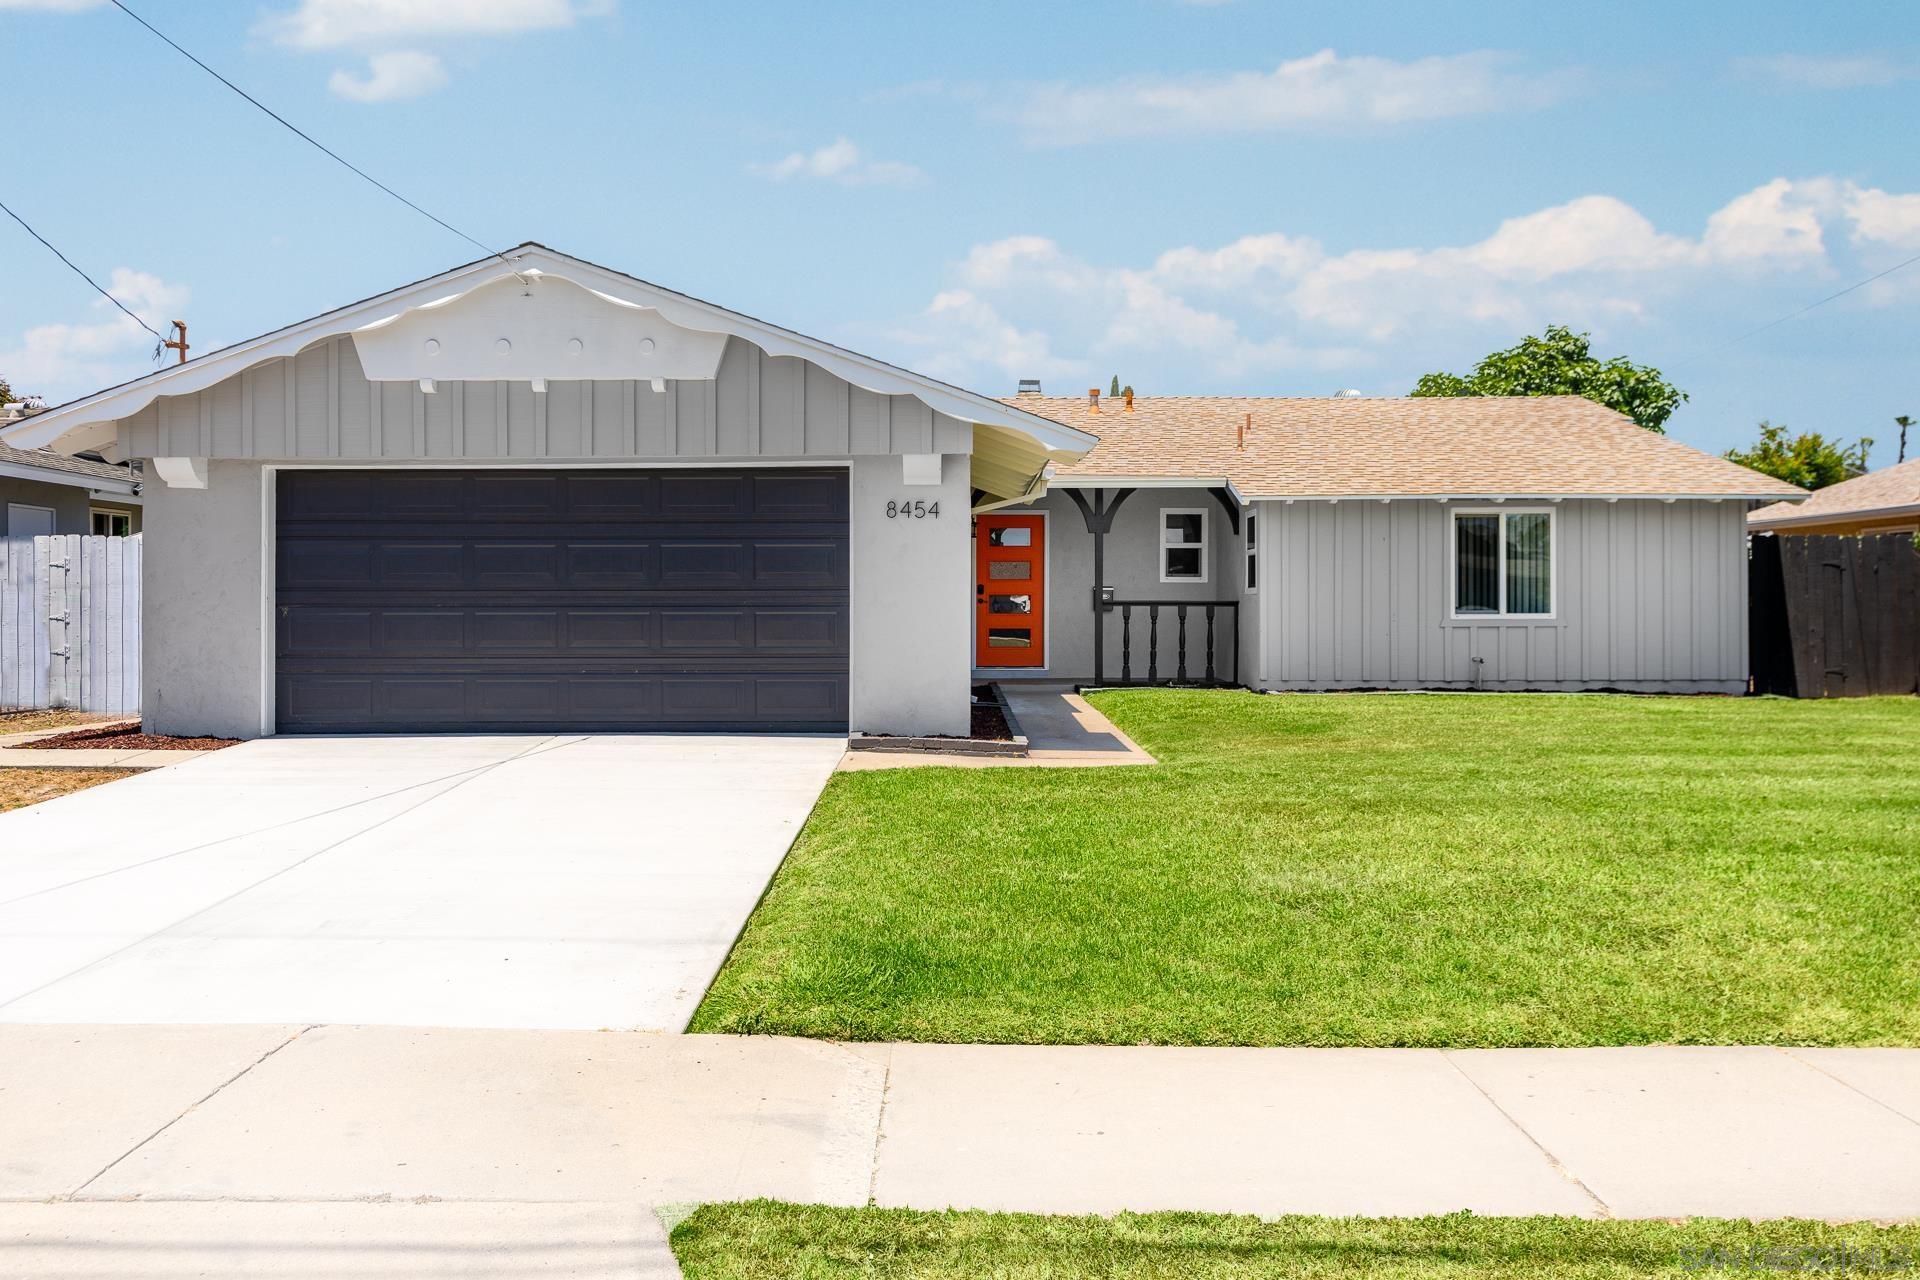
70	623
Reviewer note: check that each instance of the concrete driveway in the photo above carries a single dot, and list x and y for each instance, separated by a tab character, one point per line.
577	882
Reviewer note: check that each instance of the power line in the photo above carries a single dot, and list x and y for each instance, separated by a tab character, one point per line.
308	138
1774	324
77	271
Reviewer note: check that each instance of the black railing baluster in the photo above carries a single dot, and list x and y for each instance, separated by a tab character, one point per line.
1153	643
1210	676
1218	612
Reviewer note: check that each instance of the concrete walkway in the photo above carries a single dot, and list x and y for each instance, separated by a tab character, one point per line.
560	882
316	1115
1063	731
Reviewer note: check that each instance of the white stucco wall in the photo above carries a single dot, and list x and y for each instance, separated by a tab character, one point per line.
204	605
912	601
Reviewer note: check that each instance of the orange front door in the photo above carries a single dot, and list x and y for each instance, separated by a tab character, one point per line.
1009	591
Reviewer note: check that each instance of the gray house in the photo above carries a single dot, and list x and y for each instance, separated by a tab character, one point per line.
535	493
43	491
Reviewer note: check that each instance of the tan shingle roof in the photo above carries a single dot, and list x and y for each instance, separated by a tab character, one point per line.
48	460
1368	447
1887	491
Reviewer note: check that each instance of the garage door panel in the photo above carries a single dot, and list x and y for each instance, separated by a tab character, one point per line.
508	495
800	496
533	565
800	564
562	599
612	565
705	495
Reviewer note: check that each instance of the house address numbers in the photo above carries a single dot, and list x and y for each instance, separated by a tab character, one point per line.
915	509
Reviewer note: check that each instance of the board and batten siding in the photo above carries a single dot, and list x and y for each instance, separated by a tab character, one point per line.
318	404
1650	595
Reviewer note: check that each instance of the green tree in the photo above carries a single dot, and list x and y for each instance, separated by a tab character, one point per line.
1809	459
1113	393
1561	363
1903	422
6	392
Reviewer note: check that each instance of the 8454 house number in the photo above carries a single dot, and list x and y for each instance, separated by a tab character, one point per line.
917	509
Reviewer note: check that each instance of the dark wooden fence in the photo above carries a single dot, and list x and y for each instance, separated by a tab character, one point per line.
1835	617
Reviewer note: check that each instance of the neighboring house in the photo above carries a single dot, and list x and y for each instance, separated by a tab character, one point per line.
42	491
1884	501
552	496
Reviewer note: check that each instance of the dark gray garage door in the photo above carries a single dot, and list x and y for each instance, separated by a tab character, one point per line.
414	600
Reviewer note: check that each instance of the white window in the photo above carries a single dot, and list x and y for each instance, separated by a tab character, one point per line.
24	521
1183	545
1253	553
112	524
1503	562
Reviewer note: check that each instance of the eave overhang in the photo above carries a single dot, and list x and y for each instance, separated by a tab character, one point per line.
59	426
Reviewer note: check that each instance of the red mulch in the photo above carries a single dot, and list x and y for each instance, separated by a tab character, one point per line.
128	739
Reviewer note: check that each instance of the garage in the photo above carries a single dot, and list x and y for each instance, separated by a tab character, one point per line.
613	600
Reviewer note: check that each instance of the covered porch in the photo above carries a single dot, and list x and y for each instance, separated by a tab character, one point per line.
1114	583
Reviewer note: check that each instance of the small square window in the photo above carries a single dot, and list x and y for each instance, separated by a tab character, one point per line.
1010	536
110	524
1183	546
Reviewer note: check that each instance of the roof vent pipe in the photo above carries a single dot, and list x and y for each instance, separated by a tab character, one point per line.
1093	399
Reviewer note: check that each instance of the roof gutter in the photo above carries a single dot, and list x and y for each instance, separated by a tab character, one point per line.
1832	517
74	479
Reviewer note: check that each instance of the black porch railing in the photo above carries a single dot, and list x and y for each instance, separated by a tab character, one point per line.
1195	661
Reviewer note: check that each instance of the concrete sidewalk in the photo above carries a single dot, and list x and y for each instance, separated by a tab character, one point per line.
295	1115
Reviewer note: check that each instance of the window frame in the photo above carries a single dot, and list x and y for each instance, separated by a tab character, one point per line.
111	515
1503	510
1250	553
1203	546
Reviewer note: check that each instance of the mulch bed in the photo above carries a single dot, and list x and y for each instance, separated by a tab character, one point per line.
127	739
989	724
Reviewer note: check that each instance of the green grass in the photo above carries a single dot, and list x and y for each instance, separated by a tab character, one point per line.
763	1240
1370	870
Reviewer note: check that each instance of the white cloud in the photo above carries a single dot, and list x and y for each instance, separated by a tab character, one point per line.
59	361
1806	71
1321	92
334	24
1269	306
1884	219
399	73
843	162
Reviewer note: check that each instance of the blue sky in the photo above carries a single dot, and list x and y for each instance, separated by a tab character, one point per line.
1233	197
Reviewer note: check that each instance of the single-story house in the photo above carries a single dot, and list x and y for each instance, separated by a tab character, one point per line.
535	493
1884	501
44	491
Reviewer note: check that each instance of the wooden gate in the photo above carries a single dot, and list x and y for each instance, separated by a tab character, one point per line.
70	623
1835	617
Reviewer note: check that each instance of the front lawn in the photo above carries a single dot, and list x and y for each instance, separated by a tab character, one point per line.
1369	870
763	1240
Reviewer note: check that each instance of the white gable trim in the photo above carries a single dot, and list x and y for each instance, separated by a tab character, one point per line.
52	425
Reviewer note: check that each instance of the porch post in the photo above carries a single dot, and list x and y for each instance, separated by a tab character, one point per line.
1099	519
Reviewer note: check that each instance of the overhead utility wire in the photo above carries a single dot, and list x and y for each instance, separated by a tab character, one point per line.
77	271
1774	324
308	138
